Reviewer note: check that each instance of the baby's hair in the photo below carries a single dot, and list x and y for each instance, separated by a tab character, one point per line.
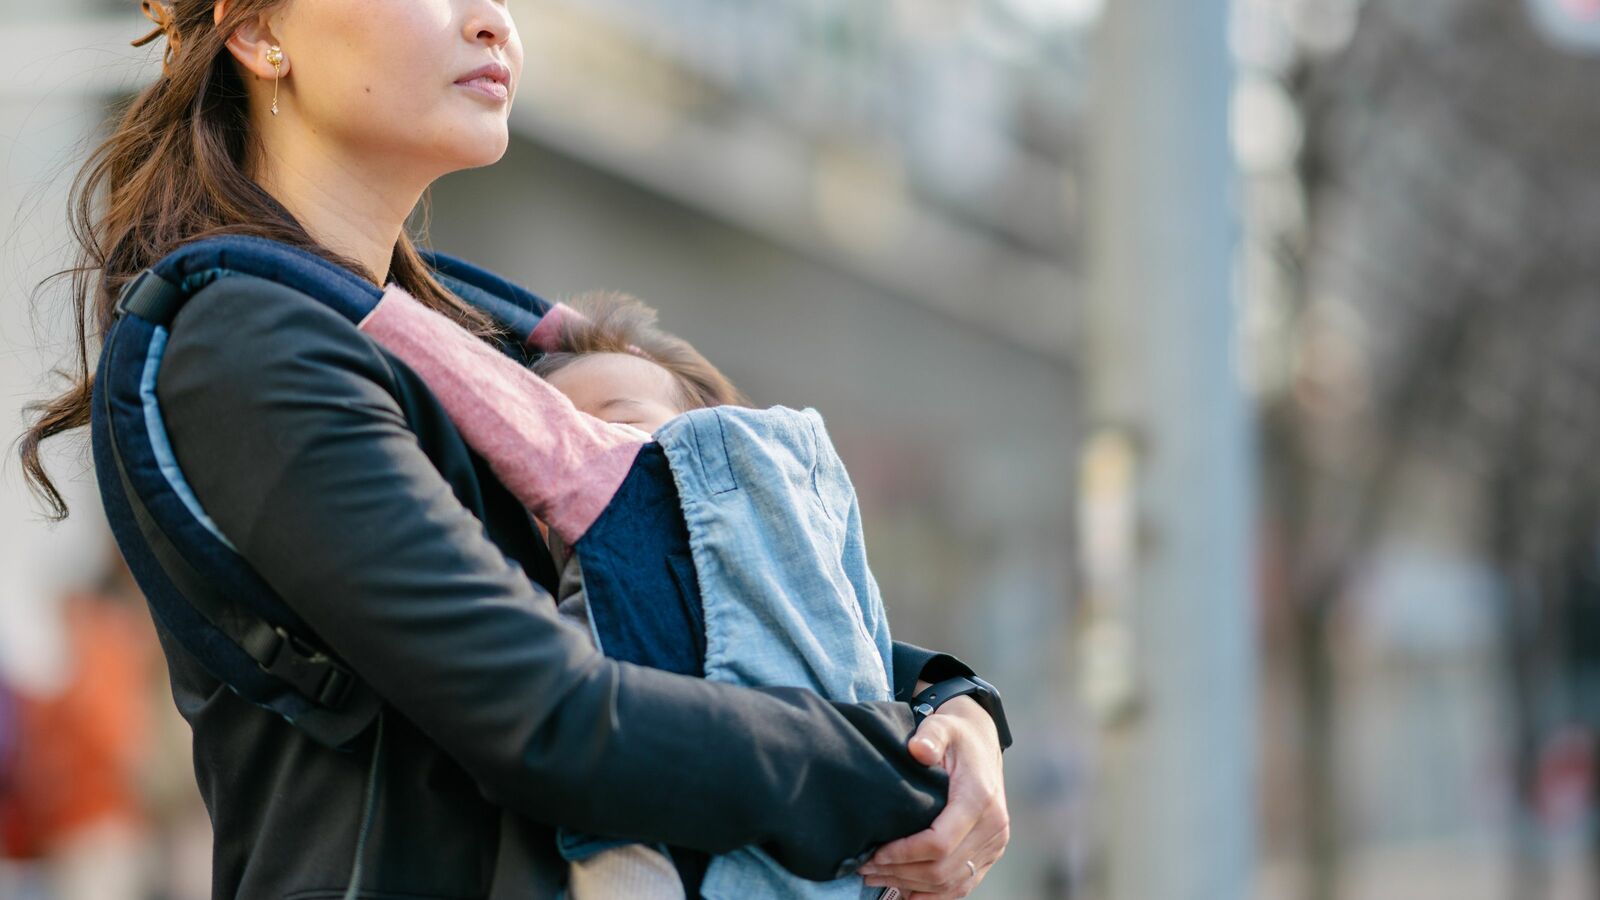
614	322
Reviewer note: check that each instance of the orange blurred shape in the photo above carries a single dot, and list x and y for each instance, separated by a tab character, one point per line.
78	750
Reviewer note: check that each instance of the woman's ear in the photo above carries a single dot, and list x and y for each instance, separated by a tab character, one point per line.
250	42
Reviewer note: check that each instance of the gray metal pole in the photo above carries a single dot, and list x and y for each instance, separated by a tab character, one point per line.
1179	745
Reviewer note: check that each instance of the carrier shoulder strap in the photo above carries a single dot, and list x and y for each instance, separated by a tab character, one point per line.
330	704
311	672
334	706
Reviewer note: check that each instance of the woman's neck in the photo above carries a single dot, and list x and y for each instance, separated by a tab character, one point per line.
357	211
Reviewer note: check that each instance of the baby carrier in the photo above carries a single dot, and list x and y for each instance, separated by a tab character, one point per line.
613	493
198	587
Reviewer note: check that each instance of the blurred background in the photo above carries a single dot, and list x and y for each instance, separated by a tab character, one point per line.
1220	379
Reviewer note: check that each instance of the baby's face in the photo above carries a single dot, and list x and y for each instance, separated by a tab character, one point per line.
620	387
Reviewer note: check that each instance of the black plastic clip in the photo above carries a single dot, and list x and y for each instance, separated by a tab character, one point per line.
150	297
313	673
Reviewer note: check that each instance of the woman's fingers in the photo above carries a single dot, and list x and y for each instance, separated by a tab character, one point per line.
931	741
949	875
940	888
965	803
974	826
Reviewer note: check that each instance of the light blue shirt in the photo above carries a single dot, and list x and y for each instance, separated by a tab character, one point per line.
775	532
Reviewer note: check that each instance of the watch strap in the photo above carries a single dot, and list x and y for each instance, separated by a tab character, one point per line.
982	692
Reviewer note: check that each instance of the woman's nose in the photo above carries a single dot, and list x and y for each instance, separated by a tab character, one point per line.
490	22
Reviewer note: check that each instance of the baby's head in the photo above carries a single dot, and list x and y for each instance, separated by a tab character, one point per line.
613	363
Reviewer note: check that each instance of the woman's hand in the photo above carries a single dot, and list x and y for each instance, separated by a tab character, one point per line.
974	826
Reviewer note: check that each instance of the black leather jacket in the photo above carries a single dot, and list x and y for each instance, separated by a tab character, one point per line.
336	473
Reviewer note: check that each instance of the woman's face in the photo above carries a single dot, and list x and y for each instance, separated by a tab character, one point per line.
391	80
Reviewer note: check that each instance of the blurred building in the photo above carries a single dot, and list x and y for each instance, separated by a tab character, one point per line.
1418	274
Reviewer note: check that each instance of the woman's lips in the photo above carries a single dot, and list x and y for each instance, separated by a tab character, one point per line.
488	87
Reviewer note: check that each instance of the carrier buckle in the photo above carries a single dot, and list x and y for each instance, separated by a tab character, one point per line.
150	297
313	673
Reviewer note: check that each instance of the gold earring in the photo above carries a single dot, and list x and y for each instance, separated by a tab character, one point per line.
275	56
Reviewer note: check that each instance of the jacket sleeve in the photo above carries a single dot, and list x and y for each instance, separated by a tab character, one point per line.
912	663
285	421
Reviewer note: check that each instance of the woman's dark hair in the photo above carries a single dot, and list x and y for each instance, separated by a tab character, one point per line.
174	169
613	322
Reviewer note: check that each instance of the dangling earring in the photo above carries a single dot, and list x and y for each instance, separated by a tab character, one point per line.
275	56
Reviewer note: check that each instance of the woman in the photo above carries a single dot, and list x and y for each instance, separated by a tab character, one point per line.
319	123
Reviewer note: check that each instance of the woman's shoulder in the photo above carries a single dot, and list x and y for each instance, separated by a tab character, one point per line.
241	331
259	383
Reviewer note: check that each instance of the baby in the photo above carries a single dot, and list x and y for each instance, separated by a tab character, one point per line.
695	534
609	358
604	351
597	358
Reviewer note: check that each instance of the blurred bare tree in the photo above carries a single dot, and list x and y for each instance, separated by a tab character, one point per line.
1446	338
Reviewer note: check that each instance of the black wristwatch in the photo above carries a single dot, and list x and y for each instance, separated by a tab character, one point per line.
924	704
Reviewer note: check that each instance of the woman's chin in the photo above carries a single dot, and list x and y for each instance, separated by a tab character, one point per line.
473	148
